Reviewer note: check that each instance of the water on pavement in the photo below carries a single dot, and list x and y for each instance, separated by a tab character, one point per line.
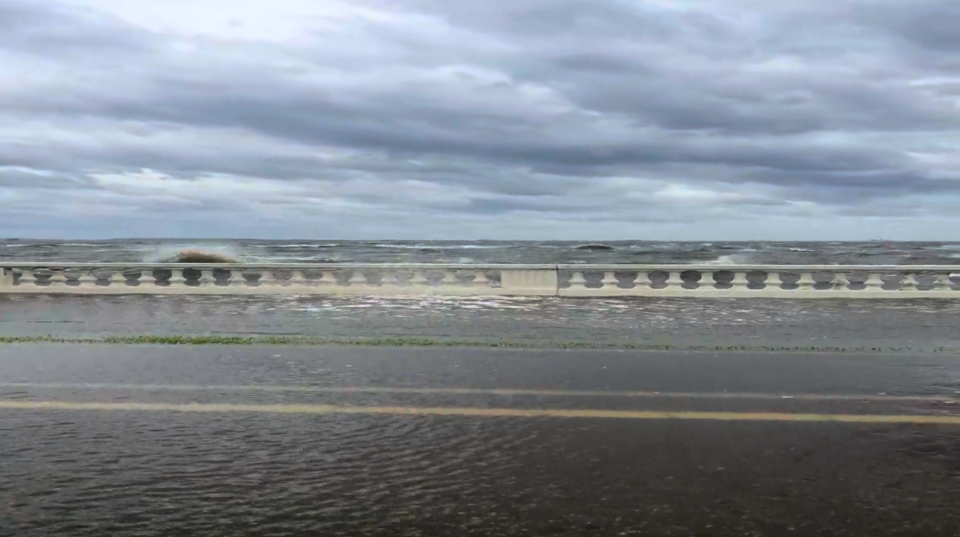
249	441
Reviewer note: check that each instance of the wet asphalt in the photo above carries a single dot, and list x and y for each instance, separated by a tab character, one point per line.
276	440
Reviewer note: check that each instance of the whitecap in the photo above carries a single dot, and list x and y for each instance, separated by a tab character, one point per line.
296	245
731	259
403	246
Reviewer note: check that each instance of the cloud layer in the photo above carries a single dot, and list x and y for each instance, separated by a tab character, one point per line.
732	119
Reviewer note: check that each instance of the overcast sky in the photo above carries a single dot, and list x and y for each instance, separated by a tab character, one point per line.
516	119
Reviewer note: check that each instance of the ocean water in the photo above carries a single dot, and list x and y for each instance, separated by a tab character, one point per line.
426	251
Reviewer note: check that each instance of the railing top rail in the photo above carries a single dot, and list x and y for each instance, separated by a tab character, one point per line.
769	268
491	266
283	266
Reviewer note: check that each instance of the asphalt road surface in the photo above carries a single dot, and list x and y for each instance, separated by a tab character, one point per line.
164	440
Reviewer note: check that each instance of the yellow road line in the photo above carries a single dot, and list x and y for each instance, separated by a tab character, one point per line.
347	390
476	412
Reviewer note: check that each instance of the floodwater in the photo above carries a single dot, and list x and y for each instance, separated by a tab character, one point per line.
152	440
919	325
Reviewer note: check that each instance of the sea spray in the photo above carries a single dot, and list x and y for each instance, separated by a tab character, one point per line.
170	253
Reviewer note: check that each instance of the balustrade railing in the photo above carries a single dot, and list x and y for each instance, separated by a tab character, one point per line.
783	281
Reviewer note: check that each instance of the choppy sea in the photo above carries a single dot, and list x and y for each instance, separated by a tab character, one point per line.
426	251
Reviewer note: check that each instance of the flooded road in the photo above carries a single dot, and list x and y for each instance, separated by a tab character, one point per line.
216	440
923	325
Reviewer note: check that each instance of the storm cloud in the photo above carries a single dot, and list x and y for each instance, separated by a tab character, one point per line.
732	119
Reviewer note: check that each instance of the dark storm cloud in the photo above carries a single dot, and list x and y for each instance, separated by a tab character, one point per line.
615	109
929	24
44	30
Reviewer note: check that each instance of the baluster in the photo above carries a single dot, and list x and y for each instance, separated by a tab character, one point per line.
147	279
419	278
206	278
840	281
708	280
481	280
874	282
297	278
237	279
176	277
642	281
87	279
103	277
6	277
357	278
610	281
27	277
57	277
942	282
327	277
909	282
449	279
577	281
266	278
674	281
806	282
739	282
389	277
117	278
773	282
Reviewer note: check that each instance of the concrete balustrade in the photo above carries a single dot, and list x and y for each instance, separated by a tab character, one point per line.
738	281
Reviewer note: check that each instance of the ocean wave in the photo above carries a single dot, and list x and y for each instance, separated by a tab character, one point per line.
437	247
595	247
297	245
403	246
730	259
44	244
169	253
55	244
312	259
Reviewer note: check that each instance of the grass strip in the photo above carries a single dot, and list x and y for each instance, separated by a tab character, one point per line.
432	342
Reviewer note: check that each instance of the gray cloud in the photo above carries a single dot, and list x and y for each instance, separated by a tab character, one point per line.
423	118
